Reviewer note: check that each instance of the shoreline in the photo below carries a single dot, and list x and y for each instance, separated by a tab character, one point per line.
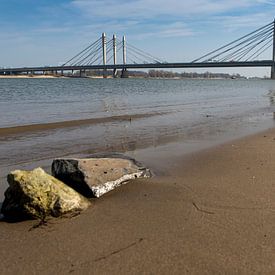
213	213
110	77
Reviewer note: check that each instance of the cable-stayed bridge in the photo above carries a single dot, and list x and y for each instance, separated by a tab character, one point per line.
114	54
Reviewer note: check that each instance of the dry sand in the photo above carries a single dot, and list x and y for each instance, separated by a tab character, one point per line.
215	214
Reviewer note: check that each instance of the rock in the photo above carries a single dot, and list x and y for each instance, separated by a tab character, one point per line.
36	194
93	177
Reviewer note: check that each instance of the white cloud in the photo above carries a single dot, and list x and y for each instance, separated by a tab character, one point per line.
175	29
269	2
154	8
174	18
234	23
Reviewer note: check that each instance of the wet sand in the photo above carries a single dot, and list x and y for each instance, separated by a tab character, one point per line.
210	212
22	129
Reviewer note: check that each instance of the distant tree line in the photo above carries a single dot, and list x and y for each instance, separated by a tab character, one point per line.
169	74
165	74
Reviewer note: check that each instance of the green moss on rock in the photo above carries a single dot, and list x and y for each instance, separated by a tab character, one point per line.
36	194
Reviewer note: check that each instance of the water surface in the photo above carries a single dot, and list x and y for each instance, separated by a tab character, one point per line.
125	115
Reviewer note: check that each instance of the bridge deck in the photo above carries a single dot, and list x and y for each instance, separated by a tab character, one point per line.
262	63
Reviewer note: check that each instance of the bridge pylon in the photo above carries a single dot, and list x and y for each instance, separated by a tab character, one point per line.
124	73
114	55
273	54
104	53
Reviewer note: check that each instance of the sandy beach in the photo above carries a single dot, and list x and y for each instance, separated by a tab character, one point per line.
210	212
137	137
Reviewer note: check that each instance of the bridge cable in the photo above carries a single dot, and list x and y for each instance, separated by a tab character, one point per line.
141	54
81	57
135	56
148	55
233	42
92	53
244	50
261	50
240	54
253	48
254	37
119	46
87	48
256	33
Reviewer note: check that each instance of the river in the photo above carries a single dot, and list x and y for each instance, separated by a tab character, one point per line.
41	119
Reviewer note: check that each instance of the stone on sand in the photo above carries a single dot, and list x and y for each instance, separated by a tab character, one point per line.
36	194
93	177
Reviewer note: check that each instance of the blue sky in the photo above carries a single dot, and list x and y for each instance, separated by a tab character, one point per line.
48	32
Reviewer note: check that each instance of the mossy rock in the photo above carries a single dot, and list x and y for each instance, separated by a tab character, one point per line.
36	194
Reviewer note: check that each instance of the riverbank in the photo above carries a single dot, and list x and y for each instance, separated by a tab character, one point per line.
210	212
111	77
29	76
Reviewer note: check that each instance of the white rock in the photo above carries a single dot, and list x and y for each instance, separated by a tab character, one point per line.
93	177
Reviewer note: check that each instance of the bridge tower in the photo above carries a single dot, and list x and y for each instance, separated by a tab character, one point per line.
273	53
124	49
124	73
114	55
104	54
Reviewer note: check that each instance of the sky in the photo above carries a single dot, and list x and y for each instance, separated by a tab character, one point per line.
49	32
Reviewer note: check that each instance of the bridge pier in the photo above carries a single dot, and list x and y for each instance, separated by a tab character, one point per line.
114	73
124	73
82	73
273	71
